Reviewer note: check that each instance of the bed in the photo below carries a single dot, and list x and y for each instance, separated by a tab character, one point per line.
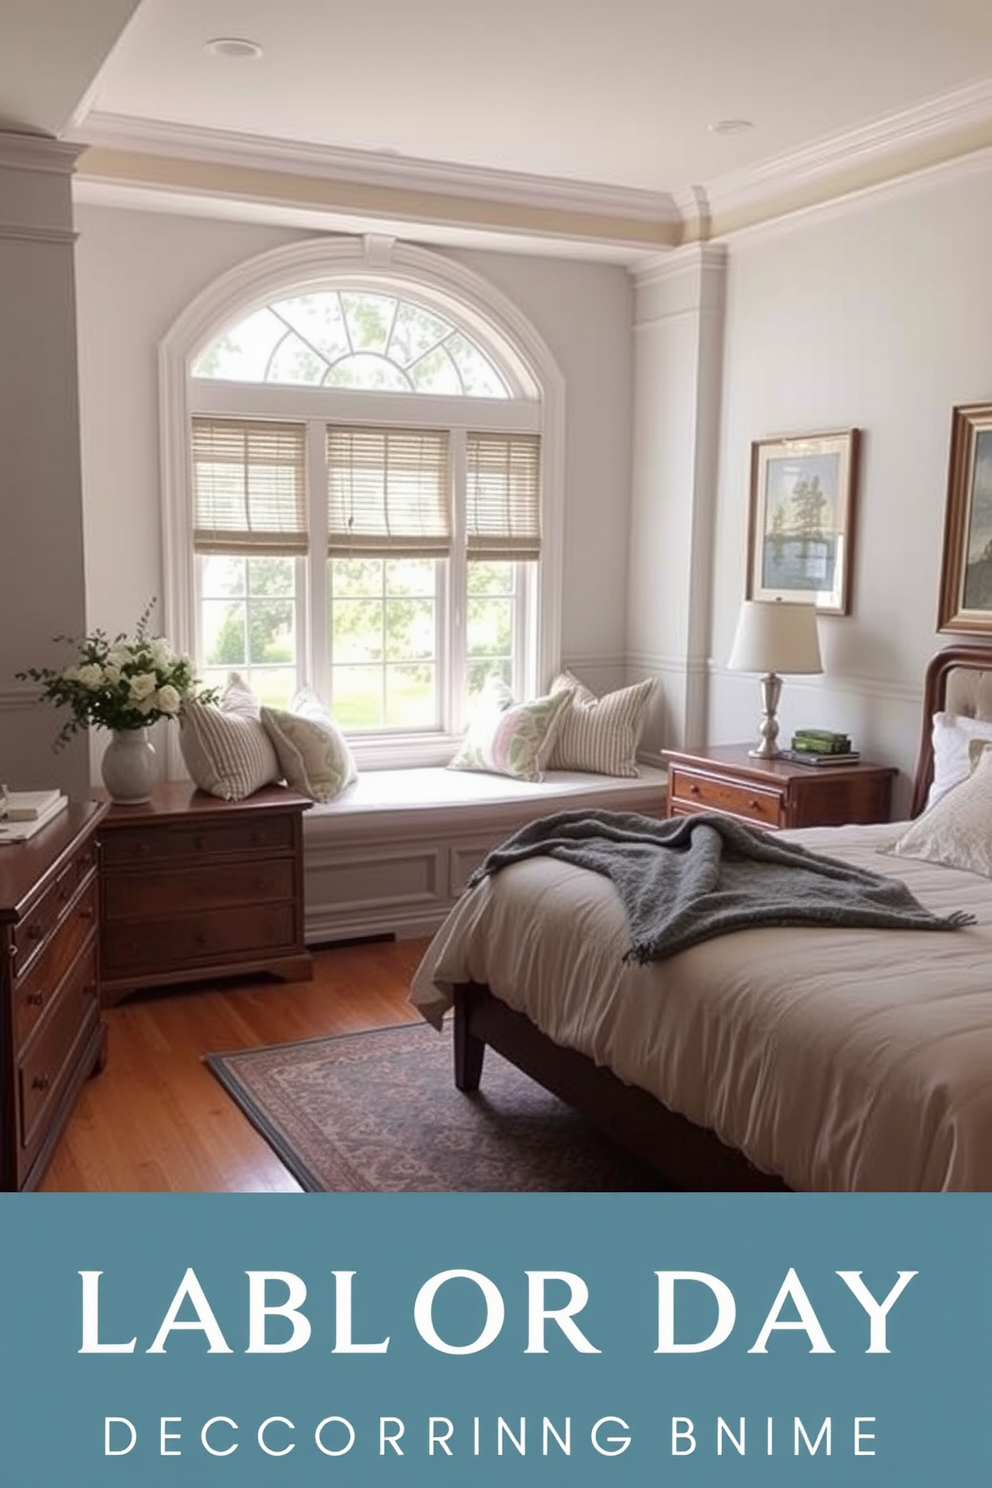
809	1059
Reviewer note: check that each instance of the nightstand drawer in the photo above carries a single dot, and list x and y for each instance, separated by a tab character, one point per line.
701	793
185	843
156	893
146	948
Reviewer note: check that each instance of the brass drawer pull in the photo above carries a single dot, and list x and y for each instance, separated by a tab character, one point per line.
694	790
754	805
86	912
41	1082
35	999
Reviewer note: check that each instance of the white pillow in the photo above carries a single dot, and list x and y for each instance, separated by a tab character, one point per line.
508	738
600	734
313	753
952	733
227	753
957	830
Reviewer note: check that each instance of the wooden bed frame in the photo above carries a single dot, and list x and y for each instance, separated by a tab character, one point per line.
687	1155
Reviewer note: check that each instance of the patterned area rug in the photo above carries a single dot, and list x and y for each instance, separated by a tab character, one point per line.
379	1112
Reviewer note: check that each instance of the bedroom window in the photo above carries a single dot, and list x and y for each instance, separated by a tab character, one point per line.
363	432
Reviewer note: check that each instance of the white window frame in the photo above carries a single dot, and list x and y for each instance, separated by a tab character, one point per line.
381	265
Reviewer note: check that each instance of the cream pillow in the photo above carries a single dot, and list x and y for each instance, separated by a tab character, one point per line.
957	831
227	753
508	738
600	734
952	734
313	753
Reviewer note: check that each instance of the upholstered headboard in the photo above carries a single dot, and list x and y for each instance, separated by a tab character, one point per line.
958	680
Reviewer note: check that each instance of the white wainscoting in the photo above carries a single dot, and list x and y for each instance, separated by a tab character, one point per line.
393	853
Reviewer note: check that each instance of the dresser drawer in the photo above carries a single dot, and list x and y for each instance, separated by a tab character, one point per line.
32	934
166	892
184	842
47	1063
158	947
703	793
37	988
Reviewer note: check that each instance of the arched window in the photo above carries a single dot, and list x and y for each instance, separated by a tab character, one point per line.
362	489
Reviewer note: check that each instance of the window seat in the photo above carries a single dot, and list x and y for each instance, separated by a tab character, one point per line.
394	851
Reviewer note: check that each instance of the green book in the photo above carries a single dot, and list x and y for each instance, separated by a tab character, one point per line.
826	736
821	744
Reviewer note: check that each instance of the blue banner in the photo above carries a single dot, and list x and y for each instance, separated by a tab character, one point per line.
481	1340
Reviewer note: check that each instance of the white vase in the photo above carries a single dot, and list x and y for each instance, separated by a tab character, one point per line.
129	767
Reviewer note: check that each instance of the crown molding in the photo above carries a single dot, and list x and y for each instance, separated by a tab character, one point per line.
961	168
946	118
937	134
373	169
38	153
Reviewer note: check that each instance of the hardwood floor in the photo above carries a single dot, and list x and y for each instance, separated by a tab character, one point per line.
156	1119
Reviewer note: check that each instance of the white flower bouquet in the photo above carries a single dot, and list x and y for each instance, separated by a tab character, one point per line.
122	683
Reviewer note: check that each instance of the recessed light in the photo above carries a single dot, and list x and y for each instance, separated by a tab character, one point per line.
232	46
730	126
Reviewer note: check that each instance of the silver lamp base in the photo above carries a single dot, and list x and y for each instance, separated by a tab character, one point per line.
771	691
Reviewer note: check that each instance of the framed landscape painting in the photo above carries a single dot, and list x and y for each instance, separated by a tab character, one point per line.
801	519
966	572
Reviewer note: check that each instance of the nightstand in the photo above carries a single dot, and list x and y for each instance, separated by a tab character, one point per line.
776	793
193	888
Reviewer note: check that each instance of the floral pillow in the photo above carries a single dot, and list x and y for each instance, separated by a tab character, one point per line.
313	753
600	734
508	738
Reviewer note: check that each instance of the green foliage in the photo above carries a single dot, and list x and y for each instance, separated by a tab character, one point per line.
120	683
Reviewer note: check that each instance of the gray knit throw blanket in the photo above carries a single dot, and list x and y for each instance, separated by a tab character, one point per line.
692	877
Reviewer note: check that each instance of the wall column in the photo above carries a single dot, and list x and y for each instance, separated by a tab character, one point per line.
42	588
678	352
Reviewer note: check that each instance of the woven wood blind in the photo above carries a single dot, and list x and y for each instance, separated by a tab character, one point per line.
249	487
388	492
503	496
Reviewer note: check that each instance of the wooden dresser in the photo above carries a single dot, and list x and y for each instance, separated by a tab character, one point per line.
52	1034
194	888
776	793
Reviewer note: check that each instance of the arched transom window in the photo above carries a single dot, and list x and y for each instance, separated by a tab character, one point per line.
353	339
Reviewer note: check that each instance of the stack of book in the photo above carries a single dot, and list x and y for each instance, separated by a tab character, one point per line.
821	747
25	812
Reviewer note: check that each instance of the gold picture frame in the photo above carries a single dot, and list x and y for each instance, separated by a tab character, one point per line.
966	569
801	519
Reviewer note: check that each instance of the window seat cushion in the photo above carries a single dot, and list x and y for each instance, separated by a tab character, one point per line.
391	854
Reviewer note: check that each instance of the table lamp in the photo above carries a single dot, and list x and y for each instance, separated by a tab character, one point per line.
774	638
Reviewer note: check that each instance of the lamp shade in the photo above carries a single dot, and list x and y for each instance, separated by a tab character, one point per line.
776	637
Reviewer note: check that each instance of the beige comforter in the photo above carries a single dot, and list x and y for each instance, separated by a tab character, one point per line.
838	1059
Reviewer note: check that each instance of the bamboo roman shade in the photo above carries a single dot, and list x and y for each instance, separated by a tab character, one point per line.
503	496
388	492
249	487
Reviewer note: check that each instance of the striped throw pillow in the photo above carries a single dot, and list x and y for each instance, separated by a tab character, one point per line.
600	734
227	754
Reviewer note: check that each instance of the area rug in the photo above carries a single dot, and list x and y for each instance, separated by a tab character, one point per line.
379	1112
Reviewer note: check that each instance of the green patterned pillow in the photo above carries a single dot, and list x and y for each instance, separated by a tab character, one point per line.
508	738
313	753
